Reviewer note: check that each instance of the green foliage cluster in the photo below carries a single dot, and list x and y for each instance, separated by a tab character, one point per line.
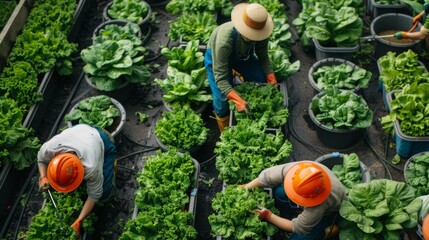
176	7
332	27
348	172
263	101
41	46
182	129
95	111
399	70
341	109
18	145
235	216
116	32
410	107
186	82
49	224
416	173
246	149
134	11
380	209
342	76
115	59
193	26
163	192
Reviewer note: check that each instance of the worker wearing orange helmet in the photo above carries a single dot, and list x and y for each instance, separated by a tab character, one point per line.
76	154
309	188
238	47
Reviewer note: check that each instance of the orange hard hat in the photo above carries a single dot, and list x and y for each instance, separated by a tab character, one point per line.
65	172
307	184
425	227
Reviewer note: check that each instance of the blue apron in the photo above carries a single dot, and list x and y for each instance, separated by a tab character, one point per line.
108	168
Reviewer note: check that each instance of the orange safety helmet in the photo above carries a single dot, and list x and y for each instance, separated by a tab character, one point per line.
307	184
65	172
425	227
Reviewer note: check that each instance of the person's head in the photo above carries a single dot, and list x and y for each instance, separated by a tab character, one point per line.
65	172
252	21
307	184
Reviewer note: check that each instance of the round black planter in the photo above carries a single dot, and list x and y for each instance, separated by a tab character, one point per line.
116	22
144	24
122	93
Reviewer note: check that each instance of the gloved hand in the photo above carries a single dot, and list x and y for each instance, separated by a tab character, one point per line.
240	104
76	226
44	184
271	79
401	35
418	17
264	214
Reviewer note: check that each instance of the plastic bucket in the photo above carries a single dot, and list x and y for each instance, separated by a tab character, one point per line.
336	158
122	93
410	160
328	62
334	52
392	21
116	22
380	9
144	24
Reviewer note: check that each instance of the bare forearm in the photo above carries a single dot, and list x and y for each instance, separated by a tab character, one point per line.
87	208
255	183
42	169
282	223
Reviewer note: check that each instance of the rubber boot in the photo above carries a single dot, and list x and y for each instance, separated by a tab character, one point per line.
331	231
222	122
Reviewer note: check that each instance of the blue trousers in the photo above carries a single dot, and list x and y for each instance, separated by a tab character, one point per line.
250	69
318	231
108	166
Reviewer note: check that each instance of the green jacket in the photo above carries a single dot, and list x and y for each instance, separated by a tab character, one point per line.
221	44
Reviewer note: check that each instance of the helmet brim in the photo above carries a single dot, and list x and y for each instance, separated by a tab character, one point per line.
71	187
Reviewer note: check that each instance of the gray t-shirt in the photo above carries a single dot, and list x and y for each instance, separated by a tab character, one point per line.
274	176
86	142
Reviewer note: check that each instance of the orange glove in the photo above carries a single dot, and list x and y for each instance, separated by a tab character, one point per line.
401	35
43	184
418	18
240	104
76	226
264	214
271	79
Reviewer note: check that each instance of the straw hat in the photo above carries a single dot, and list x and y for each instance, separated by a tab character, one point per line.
252	21
307	184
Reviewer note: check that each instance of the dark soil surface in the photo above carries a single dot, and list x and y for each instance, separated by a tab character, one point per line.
376	150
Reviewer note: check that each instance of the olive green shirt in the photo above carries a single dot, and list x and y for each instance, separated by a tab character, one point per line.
221	43
310	217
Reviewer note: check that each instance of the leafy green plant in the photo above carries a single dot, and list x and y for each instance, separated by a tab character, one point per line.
263	101
176	7
380	209
182	89
274	7
181	129
332	27
410	108
185	59
163	192
388	2
116	32
95	111
48	224
246	149
416	174
341	109
131	10
193	26
348	172
111	63
399	70
18	145
342	76
279	57
235	216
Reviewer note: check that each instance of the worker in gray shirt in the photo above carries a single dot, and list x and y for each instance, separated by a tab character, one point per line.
306	186
79	153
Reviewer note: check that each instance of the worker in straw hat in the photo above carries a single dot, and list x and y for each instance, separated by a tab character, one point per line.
238	48
309	189
76	154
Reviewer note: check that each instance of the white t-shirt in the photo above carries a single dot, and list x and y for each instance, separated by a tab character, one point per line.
86	142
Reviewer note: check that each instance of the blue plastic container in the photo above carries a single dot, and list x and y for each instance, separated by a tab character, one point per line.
406	146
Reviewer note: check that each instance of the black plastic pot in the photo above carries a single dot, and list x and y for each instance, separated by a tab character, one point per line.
323	52
118	123
410	160
392	21
328	62
144	24
335	138
336	158
116	22
122	93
